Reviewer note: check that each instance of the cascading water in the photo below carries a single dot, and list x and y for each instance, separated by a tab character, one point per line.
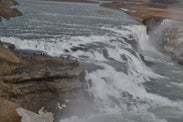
110	47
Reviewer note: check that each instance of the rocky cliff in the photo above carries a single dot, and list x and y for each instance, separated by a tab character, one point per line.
31	79
36	81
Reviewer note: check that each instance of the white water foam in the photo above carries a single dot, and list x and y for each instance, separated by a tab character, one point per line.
108	84
137	71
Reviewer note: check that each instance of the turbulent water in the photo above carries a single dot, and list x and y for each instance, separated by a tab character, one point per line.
110	45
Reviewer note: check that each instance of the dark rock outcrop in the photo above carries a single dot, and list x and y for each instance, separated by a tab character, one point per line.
6	11
152	23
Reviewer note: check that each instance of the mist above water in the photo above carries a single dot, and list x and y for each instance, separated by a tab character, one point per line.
110	47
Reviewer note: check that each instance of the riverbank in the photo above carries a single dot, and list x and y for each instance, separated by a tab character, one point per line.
143	10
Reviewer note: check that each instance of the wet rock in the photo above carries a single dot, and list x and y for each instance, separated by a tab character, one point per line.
9	45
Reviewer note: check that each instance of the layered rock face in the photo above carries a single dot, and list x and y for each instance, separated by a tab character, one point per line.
37	80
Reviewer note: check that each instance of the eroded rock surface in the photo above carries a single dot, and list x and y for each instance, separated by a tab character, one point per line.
38	81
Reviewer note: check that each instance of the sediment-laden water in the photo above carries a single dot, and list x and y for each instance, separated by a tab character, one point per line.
110	45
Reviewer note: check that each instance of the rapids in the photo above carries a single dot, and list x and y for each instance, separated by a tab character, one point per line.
110	46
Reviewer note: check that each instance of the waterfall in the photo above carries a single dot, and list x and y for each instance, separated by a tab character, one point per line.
114	50
117	86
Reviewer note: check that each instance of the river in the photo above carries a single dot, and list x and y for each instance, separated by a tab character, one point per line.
109	44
